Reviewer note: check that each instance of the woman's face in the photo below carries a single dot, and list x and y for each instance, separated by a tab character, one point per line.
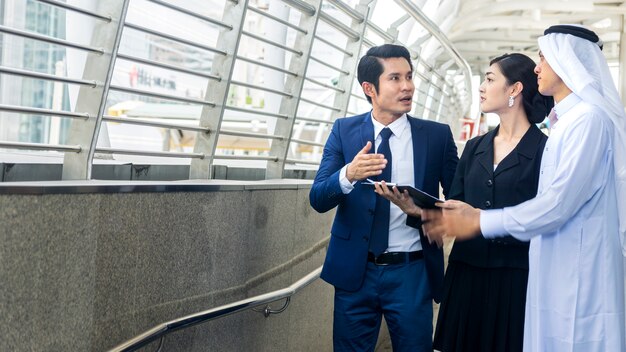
494	91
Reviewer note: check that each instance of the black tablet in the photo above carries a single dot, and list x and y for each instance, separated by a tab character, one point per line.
421	198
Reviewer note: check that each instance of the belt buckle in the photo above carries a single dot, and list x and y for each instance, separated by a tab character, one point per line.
379	264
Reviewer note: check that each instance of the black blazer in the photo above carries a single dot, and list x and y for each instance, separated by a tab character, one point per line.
514	181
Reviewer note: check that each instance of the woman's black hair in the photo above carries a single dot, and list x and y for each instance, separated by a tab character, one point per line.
520	68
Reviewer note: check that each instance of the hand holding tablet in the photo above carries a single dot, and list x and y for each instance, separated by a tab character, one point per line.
421	198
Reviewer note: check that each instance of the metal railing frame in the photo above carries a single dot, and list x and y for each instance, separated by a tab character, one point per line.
435	98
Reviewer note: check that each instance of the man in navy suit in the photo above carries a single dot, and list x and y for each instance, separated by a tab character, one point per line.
378	259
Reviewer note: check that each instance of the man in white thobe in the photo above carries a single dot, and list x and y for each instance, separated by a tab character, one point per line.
577	222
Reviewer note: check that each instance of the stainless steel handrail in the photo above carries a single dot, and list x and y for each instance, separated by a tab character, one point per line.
334	46
167	66
151	123
349	32
76	9
262	88
40	146
104	150
48	39
270	42
309	101
314	120
48	77
301	161
303	141
301	6
174	38
279	20
218	312
193	14
251	135
255	112
379	31
160	95
263	64
324	85
340	70
39	111
367	42
245	157
347	9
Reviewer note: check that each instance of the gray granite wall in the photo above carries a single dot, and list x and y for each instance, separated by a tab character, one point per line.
86	271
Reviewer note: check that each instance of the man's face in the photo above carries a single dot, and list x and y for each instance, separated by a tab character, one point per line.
550	84
395	89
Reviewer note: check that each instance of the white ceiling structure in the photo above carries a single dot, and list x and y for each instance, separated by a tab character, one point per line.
483	29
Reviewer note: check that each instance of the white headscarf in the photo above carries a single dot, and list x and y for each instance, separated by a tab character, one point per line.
583	68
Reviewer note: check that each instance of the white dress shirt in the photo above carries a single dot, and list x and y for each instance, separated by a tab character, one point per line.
402	238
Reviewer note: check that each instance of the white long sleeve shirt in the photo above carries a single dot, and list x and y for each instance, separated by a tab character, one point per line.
402	238
575	299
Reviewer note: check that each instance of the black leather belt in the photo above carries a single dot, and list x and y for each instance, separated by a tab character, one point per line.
391	258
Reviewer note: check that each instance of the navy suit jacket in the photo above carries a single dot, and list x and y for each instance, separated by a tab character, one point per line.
434	160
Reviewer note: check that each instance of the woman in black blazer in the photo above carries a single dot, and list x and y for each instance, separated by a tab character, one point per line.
484	296
485	283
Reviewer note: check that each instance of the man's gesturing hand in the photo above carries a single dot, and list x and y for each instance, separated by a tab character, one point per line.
365	165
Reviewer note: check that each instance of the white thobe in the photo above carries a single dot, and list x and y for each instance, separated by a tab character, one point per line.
575	297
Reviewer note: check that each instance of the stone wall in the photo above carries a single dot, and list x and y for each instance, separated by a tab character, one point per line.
86	266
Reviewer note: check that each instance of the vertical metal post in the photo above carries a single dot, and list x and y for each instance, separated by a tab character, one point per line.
217	91
106	35
293	85
349	64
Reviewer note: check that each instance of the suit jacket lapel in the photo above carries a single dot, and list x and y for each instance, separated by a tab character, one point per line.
484	153
367	132
508	162
420	150
527	147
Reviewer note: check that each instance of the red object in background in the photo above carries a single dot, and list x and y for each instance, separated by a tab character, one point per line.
467	128
132	75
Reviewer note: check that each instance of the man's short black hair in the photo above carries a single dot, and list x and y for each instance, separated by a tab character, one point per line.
370	67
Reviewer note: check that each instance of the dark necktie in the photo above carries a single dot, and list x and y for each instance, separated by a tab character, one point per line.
379	240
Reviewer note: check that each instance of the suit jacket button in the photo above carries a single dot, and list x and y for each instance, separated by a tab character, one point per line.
365	238
487	204
489	183
371	211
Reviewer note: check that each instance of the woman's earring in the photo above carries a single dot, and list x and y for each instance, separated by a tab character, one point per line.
511	101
